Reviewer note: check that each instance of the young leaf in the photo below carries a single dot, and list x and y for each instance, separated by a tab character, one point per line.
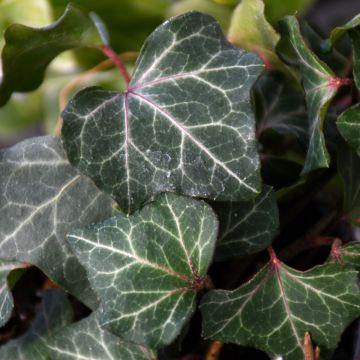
87	340
6	299
251	31
42	198
28	51
184	124
320	86
55	313
246	227
348	163
322	301
279	106
348	124
147	268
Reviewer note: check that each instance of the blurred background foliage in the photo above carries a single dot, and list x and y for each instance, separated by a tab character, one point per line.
129	22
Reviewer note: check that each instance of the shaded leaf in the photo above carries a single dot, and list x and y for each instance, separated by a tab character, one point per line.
320	86
322	301
87	340
42	198
147	268
352	27
280	106
251	31
348	123
185	123
348	163
6	299
55	313
350	255
28	51
246	227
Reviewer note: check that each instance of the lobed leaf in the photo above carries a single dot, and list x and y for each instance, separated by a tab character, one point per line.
348	124
185	123
42	198
320	85
147	268
322	301
55	313
28	51
87	340
246	227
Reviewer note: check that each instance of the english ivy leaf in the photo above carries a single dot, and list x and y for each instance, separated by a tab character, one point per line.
87	340
42	198
320	86
28	51
246	227
279	106
184	124
348	124
250	30
350	255
147	268
348	163
322	301
55	313
6	299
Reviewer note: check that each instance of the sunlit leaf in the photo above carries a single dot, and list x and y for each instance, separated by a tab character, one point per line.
185	123
147	268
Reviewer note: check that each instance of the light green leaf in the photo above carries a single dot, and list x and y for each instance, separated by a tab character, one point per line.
55	313
185	123
28	51
348	124
280	106
273	310
352	28
42	198
147	268
6	299
87	340
251	31
348	163
320	85
246	227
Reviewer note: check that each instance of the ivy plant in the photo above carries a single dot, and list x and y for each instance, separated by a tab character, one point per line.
209	208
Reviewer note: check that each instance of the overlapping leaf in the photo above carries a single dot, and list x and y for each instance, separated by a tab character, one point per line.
146	268
250	30
287	303
349	169
55	313
280	106
87	340
348	124
246	227
184	124
42	198
6	299
320	86
28	51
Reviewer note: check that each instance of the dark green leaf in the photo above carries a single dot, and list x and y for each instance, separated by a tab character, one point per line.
185	123
55	313
350	255
146	268
42	198
273	310
87	340
348	124
349	168
28	51
320	86
280	106
6	299
246	227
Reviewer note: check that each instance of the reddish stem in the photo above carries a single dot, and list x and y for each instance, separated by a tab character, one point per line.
111	54
274	261
336	82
